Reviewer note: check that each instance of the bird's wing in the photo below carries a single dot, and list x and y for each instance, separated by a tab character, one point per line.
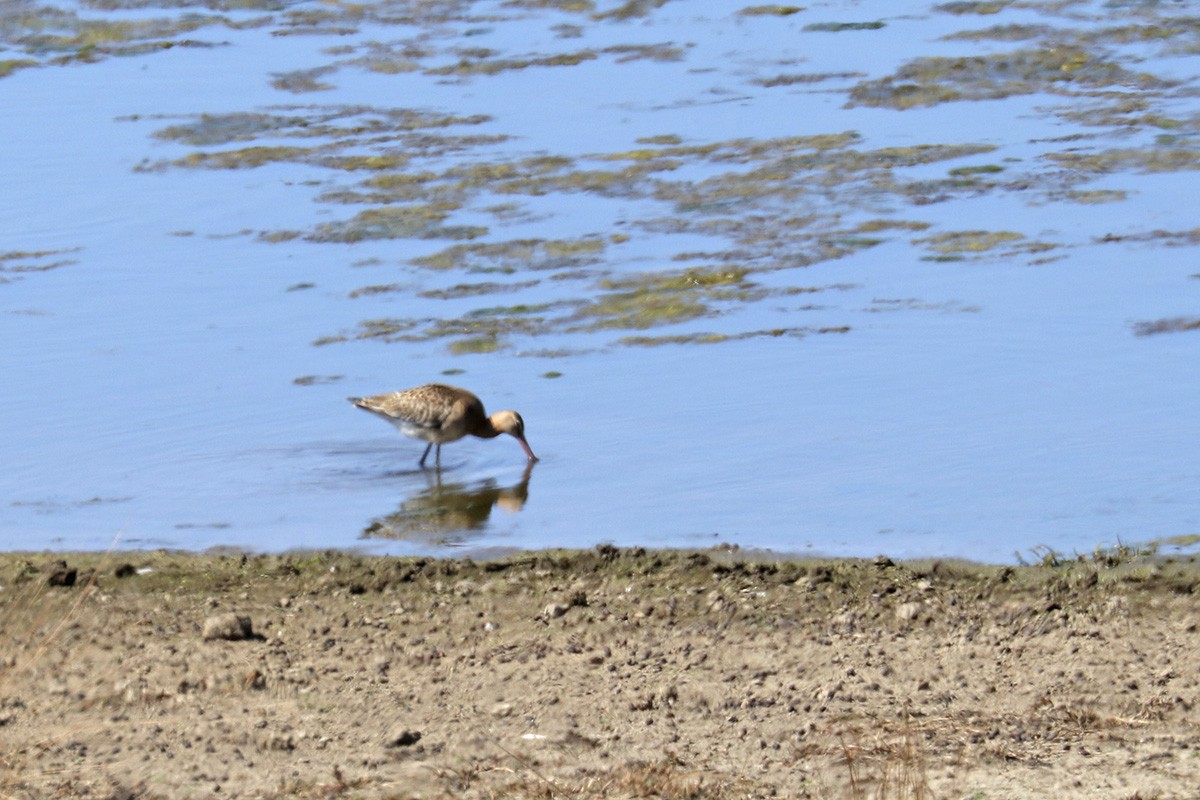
417	408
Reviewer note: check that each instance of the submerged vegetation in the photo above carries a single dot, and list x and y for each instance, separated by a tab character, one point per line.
929	81
756	194
684	231
1172	325
18	262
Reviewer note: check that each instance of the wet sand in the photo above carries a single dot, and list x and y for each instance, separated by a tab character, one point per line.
597	674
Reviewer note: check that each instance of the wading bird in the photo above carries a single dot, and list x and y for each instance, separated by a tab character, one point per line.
437	414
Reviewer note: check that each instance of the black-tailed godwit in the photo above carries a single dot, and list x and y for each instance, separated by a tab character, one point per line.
437	414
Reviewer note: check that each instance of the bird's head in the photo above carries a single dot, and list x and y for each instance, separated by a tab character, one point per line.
510	422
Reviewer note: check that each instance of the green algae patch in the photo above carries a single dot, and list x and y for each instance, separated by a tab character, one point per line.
974	7
805	78
626	303
630	9
731	203
878	225
245	157
396	222
628	181
302	81
688	280
376	163
1003	33
770	10
1171	238
331	136
638	310
1094	196
10	65
655	299
475	344
384	288
484	330
960	245
1171	325
478	333
700	337
475	290
516	255
708	337
1149	159
930	81
663	139
961	242
481	65
61	37
839	27
511	311
341	122
981	169
17	262
317	380
571	6
206	130
662	51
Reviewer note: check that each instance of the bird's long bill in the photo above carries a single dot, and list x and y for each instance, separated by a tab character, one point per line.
525	447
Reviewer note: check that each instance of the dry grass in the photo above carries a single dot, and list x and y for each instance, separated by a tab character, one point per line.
34	620
884	766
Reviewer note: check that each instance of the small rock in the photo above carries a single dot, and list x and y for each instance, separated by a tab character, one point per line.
126	570
908	611
281	742
61	574
555	610
403	739
502	710
228	626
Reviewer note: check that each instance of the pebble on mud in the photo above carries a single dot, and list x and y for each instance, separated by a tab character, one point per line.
228	626
555	610
61	574
405	738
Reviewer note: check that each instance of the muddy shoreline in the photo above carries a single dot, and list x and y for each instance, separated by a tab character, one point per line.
604	673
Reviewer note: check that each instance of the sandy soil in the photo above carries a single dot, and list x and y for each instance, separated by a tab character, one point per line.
595	675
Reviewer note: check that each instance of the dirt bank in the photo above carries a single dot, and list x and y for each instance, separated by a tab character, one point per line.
598	674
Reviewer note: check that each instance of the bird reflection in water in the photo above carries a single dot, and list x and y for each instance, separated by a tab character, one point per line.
449	513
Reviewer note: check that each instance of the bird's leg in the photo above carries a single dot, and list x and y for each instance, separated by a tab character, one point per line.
438	458
424	456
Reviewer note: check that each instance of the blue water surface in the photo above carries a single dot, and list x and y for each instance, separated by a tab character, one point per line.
161	386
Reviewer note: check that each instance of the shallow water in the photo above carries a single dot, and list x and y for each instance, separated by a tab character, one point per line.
781	319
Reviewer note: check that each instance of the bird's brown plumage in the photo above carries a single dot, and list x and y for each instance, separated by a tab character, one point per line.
437	414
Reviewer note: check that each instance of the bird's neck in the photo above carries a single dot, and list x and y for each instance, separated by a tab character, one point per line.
486	429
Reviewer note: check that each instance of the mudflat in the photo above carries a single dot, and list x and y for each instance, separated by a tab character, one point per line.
597	674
